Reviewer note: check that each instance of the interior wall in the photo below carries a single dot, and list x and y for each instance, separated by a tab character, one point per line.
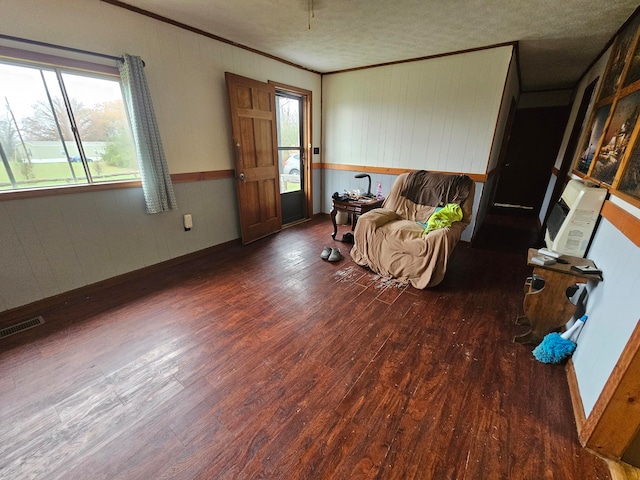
437	114
547	98
612	305
511	93
185	71
595	72
56	244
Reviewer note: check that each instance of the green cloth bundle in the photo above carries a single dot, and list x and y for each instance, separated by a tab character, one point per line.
443	217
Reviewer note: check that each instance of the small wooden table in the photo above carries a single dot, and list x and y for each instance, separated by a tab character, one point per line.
549	308
353	208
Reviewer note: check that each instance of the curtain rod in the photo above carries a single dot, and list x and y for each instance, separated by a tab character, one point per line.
60	47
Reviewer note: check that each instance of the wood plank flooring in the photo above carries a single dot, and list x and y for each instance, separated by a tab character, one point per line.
265	361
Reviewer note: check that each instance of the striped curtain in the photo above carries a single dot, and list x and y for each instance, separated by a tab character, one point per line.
156	181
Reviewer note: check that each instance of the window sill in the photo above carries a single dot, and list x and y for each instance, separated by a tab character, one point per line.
50	191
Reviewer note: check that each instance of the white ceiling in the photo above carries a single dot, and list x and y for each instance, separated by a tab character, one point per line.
558	39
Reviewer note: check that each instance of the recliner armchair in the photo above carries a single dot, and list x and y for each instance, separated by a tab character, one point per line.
391	242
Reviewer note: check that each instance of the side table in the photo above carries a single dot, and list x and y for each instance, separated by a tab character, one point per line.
354	208
548	308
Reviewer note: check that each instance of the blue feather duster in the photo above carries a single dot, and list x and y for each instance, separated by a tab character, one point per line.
555	347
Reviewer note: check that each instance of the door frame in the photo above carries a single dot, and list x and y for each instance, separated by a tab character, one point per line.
529	159
307	140
502	156
569	158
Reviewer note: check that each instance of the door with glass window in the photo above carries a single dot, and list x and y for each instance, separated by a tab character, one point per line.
291	155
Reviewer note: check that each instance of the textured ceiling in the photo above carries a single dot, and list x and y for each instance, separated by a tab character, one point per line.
558	39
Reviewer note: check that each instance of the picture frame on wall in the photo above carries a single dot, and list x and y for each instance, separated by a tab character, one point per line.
616	139
610	151
590	143
633	72
620	51
630	180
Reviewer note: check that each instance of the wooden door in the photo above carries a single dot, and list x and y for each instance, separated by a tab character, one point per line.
253	125
531	154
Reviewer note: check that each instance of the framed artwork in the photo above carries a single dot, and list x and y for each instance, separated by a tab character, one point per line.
592	139
630	181
616	138
610	150
633	74
622	44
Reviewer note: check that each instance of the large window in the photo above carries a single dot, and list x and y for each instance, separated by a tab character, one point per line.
61	127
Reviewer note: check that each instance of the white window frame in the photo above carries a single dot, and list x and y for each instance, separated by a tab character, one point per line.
15	56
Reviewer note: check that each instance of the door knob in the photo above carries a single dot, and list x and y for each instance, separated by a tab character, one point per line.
241	176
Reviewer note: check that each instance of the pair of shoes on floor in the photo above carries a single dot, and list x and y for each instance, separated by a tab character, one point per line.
331	254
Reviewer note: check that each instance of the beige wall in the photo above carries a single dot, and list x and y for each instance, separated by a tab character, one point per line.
436	114
511	94
55	244
612	305
441	114
185	71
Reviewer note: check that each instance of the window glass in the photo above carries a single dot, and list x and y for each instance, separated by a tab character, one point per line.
61	128
289	122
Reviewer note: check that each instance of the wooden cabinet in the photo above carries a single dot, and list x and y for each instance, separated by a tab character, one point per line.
547	307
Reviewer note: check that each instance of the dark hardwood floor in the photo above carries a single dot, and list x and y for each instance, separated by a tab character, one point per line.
265	361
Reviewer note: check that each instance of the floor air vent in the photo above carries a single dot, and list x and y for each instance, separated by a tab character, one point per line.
20	327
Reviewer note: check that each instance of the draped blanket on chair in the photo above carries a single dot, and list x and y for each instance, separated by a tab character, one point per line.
391	240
